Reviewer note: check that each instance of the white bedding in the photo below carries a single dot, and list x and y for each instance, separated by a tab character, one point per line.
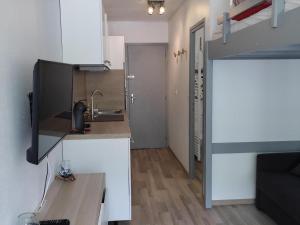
256	18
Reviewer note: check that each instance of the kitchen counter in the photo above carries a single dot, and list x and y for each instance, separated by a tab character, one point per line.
104	130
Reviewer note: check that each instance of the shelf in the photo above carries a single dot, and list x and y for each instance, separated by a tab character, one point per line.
78	201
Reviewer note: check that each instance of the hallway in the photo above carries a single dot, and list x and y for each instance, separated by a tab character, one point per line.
162	194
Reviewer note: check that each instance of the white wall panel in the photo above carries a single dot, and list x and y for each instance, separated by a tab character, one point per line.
256	101
253	101
233	176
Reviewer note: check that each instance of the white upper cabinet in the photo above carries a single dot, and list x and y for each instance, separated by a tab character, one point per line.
116	52
83	31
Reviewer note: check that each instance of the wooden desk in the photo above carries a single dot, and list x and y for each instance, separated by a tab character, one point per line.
79	201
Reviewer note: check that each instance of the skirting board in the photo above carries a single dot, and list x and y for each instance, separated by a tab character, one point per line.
233	202
178	160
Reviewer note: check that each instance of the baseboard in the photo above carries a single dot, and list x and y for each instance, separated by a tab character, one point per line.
233	202
178	160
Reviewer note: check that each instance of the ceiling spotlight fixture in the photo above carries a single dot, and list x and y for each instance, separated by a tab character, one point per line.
159	4
150	10
162	9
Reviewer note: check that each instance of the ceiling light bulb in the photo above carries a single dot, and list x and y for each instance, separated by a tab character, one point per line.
162	10
150	10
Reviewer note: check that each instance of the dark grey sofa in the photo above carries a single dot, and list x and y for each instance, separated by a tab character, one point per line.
277	189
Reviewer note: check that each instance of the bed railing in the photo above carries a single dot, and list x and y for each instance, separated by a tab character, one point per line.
278	8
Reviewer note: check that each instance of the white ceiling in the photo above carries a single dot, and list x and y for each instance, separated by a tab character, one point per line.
136	10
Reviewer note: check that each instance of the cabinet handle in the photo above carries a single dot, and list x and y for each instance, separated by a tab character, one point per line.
130	77
132	98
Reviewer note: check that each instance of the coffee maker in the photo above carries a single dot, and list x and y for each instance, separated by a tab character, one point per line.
78	113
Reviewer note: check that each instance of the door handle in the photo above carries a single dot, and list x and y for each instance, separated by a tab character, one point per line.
130	77
132	98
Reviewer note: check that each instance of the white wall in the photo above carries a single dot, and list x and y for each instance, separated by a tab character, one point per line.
190	13
29	30
256	100
253	101
233	176
139	32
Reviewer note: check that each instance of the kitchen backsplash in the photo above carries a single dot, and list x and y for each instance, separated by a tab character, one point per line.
110	83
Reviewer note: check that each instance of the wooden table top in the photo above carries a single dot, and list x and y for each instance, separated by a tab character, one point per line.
78	201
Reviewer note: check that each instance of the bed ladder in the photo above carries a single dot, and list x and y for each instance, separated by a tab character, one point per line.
278	7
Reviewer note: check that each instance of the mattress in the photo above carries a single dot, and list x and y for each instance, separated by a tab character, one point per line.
254	19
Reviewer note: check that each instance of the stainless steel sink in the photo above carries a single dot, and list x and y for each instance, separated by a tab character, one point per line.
107	112
105	116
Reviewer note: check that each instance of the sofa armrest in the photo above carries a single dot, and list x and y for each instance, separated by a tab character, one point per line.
277	162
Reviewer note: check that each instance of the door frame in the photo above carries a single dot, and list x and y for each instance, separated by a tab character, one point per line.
206	124
193	30
126	68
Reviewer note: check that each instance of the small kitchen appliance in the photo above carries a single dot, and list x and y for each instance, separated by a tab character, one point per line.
78	112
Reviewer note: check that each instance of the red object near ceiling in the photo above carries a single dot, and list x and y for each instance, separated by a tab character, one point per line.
253	10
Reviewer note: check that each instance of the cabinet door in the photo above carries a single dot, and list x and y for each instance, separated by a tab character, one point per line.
116	52
109	156
82	31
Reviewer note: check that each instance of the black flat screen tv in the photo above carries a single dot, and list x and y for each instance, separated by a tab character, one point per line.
51	107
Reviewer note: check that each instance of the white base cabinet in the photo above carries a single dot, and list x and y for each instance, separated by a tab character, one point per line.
109	156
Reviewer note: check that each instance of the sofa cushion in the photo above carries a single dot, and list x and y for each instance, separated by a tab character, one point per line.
296	171
283	189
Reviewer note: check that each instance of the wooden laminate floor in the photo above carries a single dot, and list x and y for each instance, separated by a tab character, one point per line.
162	194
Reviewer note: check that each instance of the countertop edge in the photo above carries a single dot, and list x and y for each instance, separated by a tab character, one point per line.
104	130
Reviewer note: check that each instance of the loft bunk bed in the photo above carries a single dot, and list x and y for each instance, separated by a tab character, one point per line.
277	37
250	12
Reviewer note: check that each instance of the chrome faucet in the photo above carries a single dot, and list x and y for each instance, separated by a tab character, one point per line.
94	93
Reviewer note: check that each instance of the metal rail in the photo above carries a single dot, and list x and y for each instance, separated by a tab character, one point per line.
278	7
